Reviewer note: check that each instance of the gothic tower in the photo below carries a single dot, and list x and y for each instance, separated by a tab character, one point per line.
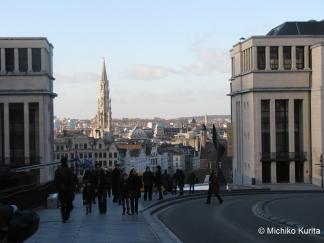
103	118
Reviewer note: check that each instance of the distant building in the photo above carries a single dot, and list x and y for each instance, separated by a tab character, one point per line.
26	104
277	105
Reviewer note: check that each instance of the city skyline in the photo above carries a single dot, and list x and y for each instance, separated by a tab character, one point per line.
172	67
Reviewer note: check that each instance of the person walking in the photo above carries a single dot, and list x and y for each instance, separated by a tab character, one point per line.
174	183
124	193
115	183
181	180
135	184
64	182
148	183
158	181
192	181
87	197
102	188
165	182
213	188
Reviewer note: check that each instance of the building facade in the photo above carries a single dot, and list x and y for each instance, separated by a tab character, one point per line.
277	105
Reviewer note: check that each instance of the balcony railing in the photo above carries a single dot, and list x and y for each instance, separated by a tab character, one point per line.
284	156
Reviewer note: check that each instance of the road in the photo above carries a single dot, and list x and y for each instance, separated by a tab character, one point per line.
233	221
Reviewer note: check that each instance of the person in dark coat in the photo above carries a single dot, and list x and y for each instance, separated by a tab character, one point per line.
159	181
192	181
165	182
181	180
124	193
174	181
102	188
134	184
109	183
115	183
87	197
148	183
64	182
213	188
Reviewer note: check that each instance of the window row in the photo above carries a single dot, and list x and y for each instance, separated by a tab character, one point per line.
286	54
9	59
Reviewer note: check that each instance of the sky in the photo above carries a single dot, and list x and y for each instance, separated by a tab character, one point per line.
164	58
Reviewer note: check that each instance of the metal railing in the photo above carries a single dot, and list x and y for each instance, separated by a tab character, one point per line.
283	156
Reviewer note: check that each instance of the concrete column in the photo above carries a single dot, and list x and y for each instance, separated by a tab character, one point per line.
273	139
254	58
43	60
16	60
291	127
267	52
26	132
280	60
293	58
3	60
29	60
251	61
306	57
6	133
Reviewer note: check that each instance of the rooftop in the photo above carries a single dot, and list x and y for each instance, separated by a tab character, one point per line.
311	27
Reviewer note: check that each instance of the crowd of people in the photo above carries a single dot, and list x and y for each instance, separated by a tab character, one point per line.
125	189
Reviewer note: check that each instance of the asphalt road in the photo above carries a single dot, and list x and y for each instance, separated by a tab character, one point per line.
233	221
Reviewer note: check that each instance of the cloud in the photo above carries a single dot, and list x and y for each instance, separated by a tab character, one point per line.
208	60
148	72
77	78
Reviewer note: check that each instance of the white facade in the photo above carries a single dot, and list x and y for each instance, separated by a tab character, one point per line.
277	109
26	103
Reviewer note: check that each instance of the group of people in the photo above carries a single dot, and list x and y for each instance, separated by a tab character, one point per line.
124	188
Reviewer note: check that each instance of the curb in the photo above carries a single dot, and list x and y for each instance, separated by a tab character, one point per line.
260	210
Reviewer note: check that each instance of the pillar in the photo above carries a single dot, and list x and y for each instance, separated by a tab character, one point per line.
293	58
306	57
26	132
254	58
280	61
29	60
6	133
43	60
267	52
3	60
273	139
16	60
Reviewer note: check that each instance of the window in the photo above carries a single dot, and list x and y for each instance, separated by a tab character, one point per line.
85	146
36	59
261	57
10	63
62	147
22	53
96	155
110	163
282	137
33	132
100	145
57	156
287	57
72	155
299	57
57	148
104	155
81	155
16	133
274	57
100	155
298	115
110	155
265	141
90	155
115	155
76	146
233	65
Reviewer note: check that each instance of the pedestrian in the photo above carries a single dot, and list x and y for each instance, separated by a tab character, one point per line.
181	180
64	182
135	184
192	181
165	182
148	183
115	183
213	188
124	193
109	182
94	174
158	181
87	197
102	188
174	183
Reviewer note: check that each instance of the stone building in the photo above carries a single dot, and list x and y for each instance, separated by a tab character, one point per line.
26	104
277	105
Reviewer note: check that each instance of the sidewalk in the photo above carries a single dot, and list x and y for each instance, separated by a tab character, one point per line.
81	228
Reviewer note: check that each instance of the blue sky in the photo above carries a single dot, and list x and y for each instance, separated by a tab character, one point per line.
164	58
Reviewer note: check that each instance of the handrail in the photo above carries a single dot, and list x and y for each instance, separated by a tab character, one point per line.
35	166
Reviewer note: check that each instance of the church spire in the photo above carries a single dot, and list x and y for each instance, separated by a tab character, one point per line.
104	119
